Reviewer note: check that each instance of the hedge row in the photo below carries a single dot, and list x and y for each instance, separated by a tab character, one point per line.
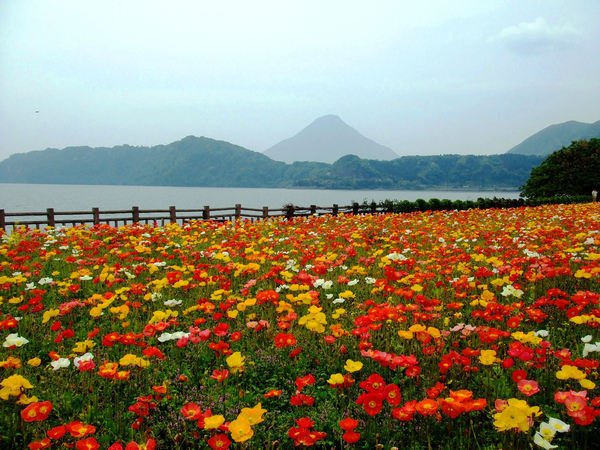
434	204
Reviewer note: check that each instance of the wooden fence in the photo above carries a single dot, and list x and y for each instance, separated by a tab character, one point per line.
52	218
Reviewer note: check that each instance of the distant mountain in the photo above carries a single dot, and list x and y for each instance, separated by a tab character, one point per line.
192	161
326	140
461	172
556	137
200	161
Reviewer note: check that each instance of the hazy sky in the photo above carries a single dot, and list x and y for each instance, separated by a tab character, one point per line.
426	77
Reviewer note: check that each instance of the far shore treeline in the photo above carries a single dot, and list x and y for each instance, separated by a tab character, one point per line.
203	162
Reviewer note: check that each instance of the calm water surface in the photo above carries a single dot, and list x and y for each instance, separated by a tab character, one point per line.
38	197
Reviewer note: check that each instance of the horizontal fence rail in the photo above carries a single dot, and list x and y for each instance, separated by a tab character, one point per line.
52	218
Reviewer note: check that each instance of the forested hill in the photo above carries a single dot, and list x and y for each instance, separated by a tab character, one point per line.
191	161
554	137
200	161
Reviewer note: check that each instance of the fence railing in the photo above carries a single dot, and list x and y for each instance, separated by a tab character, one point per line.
52	218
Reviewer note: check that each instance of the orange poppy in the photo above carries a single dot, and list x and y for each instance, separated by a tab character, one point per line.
36	411
87	444
427	407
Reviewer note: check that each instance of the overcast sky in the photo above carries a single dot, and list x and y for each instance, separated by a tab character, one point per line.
426	77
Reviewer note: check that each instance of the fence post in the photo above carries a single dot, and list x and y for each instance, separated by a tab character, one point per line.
173	214
265	212
238	211
313	210
135	212
96	214
289	212
50	215
2	220
335	210
206	213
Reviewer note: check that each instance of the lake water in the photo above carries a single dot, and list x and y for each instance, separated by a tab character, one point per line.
38	197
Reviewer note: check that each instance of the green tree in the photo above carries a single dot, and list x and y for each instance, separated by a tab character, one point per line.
573	170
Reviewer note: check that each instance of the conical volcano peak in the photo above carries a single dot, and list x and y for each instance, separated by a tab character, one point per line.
327	139
328	119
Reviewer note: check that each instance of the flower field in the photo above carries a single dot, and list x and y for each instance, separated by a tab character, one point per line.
453	329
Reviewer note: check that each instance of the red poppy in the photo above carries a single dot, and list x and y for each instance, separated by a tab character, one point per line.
149	445
87	444
445	365
305	422
141	408
451	407
513	322
303	435
318	435
471	353
221	329
348	424
191	411
57	432
301	399
373	402
284	340
585	416
305	439
110	339
351	437
296	432
93	333
373	383
272	393
507	363
528	387
435	391
392	394
519	375
36	411
219	441
403	414
267	296
86	365
44	443
295	352
307	380
149	352
220	375
348	381
161	326
219	347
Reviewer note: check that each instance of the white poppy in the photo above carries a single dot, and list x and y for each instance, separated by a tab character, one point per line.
14	340
60	363
539	440
559	425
